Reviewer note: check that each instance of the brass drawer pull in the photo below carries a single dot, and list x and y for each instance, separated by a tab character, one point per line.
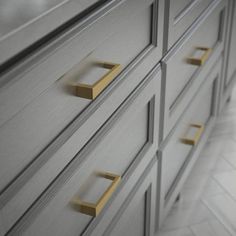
194	141
93	209
92	91
200	61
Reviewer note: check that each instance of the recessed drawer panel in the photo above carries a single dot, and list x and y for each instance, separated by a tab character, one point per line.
112	34
189	131
182	14
186	66
73	81
131	132
138	208
231	68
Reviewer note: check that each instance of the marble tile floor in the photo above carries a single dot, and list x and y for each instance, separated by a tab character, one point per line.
207	206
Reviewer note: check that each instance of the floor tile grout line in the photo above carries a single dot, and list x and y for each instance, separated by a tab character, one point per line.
234	167
224	224
226	191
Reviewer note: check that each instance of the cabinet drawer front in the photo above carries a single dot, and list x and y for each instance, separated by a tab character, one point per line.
133	210
44	98
131	132
182	14
116	35
183	76
231	68
185	138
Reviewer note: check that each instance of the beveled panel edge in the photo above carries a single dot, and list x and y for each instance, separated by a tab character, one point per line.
56	41
191	30
68	29
193	155
127	200
185	11
50	192
209	72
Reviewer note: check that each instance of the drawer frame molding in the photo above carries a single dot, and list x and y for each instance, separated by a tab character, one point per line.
150	146
166	201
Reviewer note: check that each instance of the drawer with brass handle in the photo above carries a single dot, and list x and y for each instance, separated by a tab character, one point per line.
187	137
76	82
133	208
186	65
90	174
107	34
93	209
182	14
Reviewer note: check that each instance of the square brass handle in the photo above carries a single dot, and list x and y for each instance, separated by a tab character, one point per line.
93	209
200	61
198	134
92	91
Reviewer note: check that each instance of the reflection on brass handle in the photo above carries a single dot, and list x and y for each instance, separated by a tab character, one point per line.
194	141
94	209
200	61
92	91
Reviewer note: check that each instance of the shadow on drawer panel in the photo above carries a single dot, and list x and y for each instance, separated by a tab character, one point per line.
130	132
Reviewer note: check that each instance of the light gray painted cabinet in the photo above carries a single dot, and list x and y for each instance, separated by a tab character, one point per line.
230	52
181	14
177	156
22	23
130	134
183	66
136	215
43	99
104	109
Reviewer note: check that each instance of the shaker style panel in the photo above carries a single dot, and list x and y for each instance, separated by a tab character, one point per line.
129	133
116	36
182	14
136	215
231	67
23	23
184	140
186	65
75	81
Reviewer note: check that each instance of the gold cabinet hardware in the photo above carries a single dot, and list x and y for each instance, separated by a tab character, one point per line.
92	91
200	61
194	141
93	209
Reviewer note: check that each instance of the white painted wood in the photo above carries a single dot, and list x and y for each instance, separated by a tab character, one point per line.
41	70
47	115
